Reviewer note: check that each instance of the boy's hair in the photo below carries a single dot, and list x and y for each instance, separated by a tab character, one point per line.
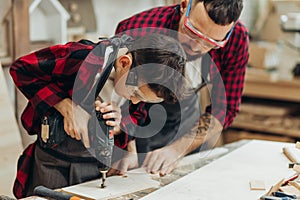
163	60
223	12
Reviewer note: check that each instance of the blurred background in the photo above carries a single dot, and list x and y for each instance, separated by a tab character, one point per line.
270	106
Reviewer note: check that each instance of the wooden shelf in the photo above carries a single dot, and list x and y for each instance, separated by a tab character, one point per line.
260	85
233	135
269	106
263	128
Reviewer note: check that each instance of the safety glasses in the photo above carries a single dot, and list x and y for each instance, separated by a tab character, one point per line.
133	89
200	37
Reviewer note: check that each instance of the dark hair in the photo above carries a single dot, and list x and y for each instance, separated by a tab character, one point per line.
165	59
223	12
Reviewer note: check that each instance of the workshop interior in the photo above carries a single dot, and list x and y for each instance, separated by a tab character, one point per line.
268	117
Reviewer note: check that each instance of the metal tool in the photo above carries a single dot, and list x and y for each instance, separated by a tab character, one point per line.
101	137
104	147
101	141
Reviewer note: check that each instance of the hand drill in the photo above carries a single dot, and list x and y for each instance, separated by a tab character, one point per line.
102	140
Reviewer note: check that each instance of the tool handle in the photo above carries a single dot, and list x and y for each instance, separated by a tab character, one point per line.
103	142
49	193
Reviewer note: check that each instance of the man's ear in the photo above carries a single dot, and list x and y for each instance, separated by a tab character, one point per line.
124	62
183	5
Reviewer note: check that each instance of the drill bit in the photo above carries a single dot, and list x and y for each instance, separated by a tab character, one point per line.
103	172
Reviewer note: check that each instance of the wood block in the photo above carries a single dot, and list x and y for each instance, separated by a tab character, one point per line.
275	187
257	185
298	145
290	190
295	184
292	154
296	168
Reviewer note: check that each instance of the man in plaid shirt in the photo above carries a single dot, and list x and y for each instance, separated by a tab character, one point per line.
204	26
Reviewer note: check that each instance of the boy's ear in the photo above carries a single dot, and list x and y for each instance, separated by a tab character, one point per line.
183	5
124	62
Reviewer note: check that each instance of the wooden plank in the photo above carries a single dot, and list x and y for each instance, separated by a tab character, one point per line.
20	28
292	153
257	185
272	91
262	128
5	32
261	86
263	109
4	8
21	41
236	135
228	177
117	186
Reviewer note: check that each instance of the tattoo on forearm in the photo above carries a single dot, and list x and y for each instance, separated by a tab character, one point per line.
201	127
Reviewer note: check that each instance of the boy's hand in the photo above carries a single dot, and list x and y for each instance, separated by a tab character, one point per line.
110	111
128	161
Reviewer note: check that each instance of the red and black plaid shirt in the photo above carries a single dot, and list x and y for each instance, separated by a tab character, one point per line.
231	61
46	77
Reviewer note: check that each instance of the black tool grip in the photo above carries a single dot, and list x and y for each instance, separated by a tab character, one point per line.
46	192
103	142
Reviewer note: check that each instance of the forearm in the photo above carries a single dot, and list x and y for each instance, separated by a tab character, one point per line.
131	146
206	128
64	107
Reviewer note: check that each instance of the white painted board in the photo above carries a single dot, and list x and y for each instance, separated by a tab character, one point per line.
229	176
135	180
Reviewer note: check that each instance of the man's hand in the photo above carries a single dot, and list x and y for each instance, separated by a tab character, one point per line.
75	120
162	160
165	159
128	161
112	111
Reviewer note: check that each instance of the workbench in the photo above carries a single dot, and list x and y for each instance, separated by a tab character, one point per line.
187	165
222	173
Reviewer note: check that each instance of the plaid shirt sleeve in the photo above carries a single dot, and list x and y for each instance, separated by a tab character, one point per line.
230	61
46	77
